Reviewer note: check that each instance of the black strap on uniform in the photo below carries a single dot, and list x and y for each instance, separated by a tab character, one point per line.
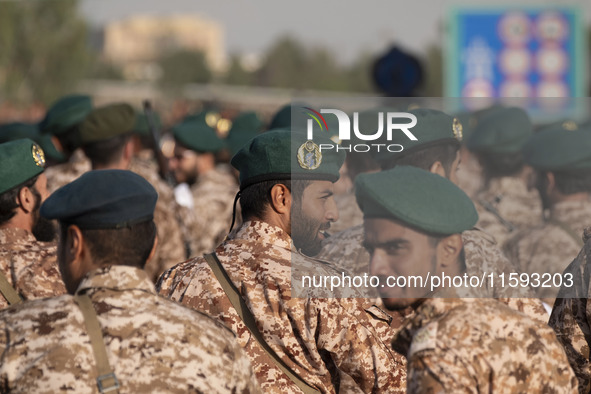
106	381
250	323
8	291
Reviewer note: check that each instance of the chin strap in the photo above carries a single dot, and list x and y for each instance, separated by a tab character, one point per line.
234	211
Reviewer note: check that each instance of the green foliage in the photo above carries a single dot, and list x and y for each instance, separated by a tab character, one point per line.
289	64
183	67
44	49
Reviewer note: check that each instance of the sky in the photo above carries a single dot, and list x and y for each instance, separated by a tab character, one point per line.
347	27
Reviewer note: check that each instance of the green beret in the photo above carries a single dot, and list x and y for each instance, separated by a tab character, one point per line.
196	135
290	115
66	113
21	160
103	199
282	154
559	147
142	127
107	122
18	130
432	128
503	130
424	201
245	126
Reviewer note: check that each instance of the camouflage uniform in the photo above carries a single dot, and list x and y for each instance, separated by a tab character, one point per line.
171	247
345	250
62	174
553	245
311	335
571	316
213	196
512	201
29	265
481	346
153	345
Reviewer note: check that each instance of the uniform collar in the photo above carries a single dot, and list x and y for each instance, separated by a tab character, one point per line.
263	232
429	310
16	235
117	277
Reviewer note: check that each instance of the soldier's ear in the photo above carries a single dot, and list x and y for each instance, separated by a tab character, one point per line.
448	251
153	251
280	199
26	199
437	168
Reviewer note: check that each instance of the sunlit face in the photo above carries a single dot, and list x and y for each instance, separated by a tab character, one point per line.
396	250
311	217
184	165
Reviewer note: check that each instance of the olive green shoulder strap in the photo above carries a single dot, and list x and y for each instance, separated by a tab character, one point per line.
106	381
8	291
248	319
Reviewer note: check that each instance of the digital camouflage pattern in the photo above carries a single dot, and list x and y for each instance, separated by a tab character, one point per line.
30	266
213	196
319	338
345	250
571	316
510	200
62	174
153	344
477	345
550	247
171	247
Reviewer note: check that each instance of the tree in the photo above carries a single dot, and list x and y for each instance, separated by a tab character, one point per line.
236	74
44	49
182	67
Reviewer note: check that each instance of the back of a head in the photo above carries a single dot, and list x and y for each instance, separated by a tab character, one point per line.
498	139
114	209
104	133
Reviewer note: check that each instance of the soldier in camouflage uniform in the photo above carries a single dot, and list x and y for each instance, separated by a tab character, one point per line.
327	342
106	140
213	187
561	156
507	203
61	123
451	344
437	151
151	344
571	315
27	259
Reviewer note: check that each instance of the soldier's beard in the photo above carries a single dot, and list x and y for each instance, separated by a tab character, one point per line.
43	229
305	232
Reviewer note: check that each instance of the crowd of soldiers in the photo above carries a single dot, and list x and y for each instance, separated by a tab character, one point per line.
125	271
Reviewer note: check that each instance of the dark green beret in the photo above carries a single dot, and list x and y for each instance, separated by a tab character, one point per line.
196	135
424	201
18	130
282	154
290	115
142	127
103	199
66	113
245	126
559	147
503	130
210	117
21	160
432	128
107	122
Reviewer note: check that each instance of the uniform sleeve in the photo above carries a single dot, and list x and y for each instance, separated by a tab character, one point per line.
357	349
430	373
